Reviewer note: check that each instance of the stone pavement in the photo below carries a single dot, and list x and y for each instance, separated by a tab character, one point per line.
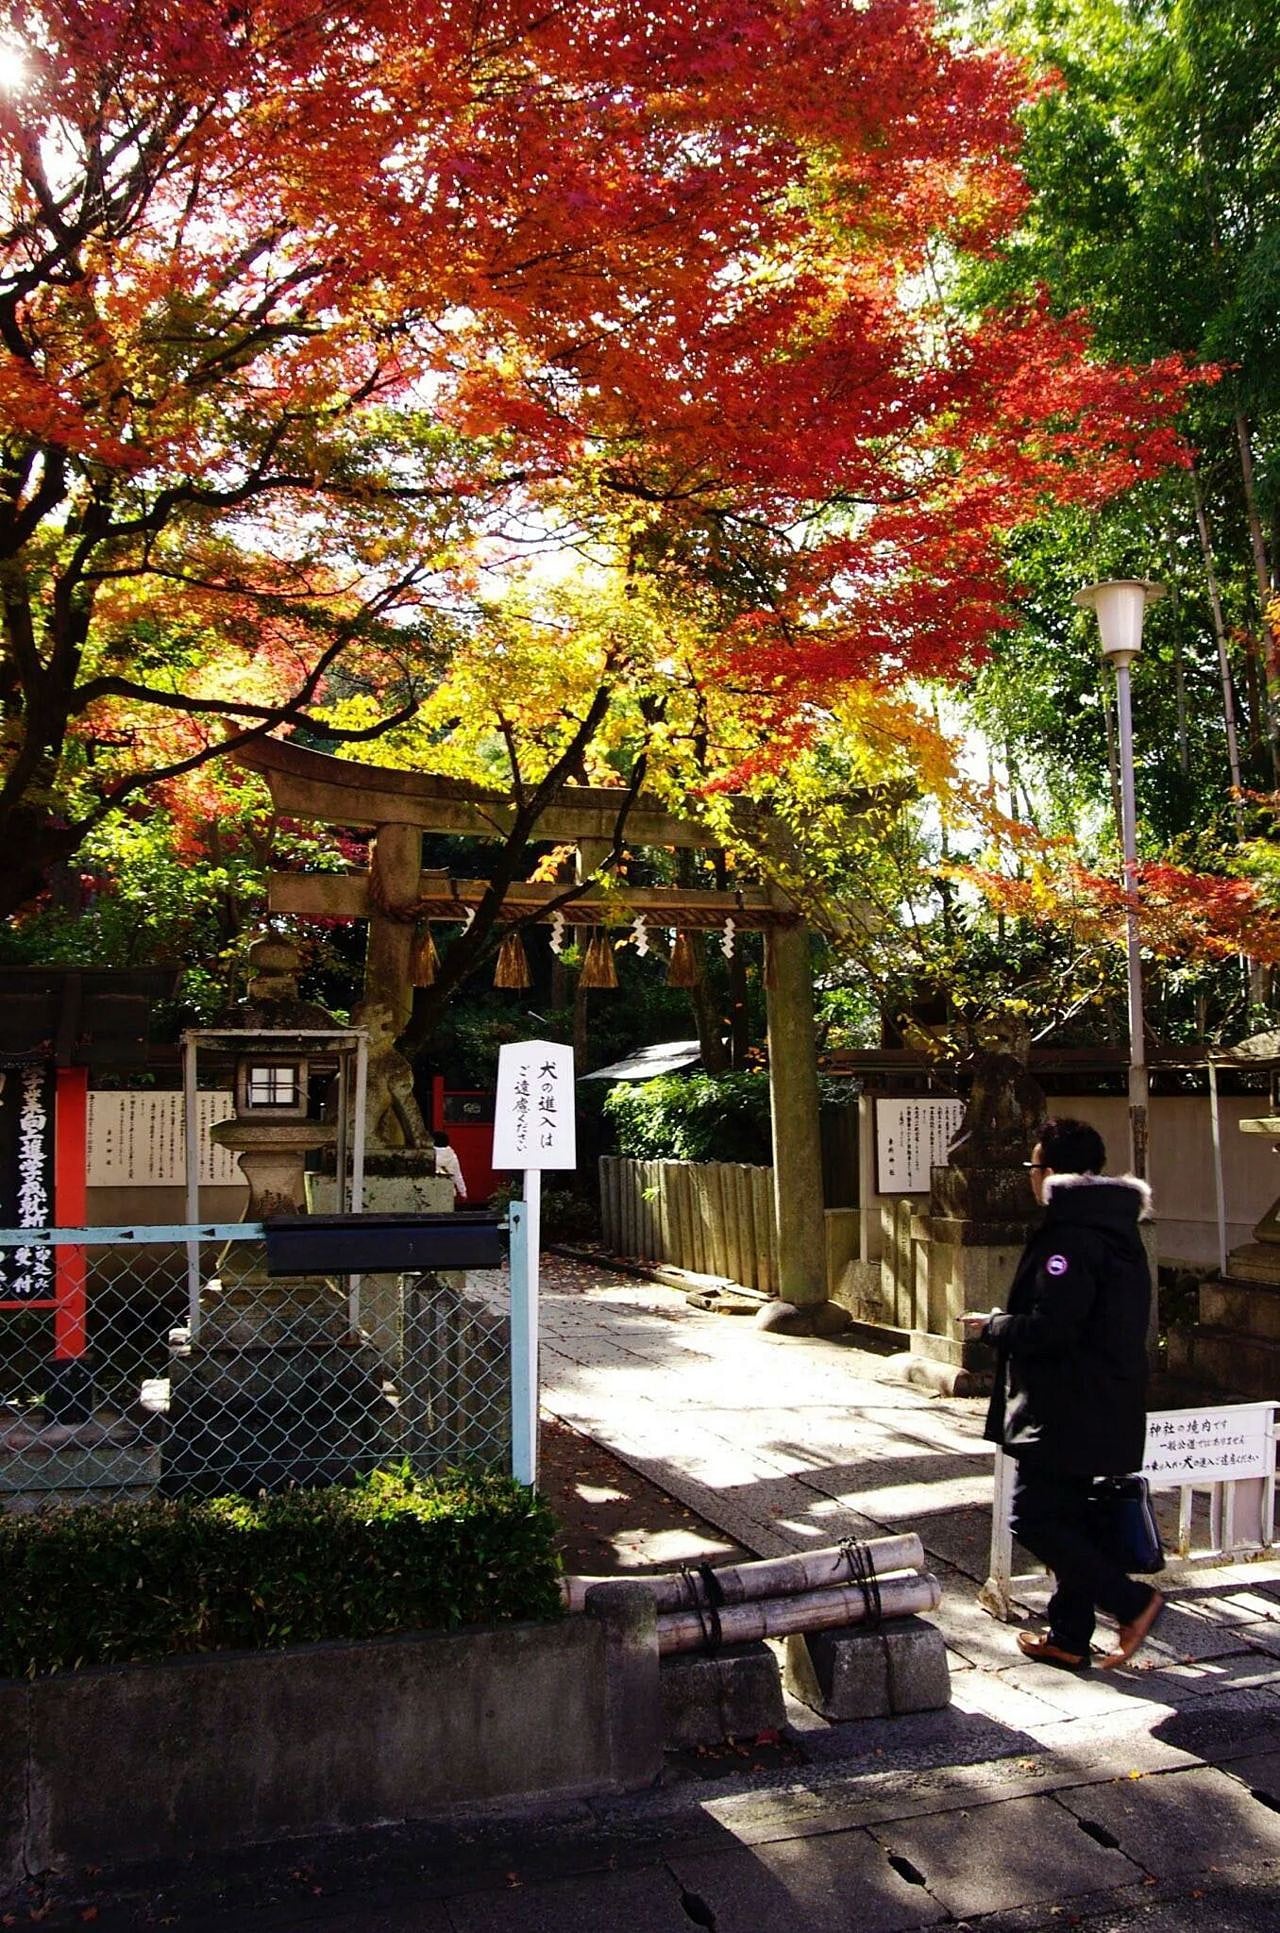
1145	1799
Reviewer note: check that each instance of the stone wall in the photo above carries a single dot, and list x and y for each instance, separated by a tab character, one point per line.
158	1761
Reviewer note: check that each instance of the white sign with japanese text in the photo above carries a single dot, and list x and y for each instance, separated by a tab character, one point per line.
534	1124
912	1136
1209	1445
137	1139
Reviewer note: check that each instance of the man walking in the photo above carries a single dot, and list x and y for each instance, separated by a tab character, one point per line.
1070	1394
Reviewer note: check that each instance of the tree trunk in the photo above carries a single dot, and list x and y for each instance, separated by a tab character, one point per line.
581	1046
1263	584
1220	634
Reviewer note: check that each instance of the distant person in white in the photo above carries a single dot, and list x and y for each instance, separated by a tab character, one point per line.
447	1163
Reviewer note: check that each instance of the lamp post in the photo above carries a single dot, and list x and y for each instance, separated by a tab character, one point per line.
1119	607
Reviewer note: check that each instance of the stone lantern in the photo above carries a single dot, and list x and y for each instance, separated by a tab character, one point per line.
276	1388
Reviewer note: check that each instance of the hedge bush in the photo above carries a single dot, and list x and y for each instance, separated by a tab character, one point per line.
693	1117
156	1579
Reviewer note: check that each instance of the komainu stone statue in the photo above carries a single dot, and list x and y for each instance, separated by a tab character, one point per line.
393	1117
1005	1106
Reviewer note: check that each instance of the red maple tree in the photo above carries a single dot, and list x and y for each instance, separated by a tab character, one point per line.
300	305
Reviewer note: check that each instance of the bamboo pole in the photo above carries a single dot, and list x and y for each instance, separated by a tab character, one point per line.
701	1218
808	1570
747	1261
664	1204
630	1194
733	1264
718	1232
683	1257
777	1617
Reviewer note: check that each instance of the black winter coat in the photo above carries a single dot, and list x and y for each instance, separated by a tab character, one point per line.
1071	1379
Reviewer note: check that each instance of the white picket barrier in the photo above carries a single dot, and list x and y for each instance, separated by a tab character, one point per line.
1230	1450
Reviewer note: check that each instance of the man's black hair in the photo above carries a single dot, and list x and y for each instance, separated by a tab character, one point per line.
440	1138
1071	1147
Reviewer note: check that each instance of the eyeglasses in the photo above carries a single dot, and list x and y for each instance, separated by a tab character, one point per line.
1038	1164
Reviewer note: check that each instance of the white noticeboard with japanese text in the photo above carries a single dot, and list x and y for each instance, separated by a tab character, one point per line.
1217	1445
136	1139
912	1136
534	1125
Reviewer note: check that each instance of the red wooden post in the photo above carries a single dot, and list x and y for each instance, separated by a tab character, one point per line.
70	1151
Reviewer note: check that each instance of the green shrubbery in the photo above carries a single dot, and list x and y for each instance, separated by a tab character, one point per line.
565	1216
693	1117
149	1580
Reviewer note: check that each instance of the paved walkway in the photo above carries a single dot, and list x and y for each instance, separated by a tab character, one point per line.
1146	1799
783	1444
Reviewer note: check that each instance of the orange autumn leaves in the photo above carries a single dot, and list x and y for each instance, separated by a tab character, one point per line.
294	297
1183	914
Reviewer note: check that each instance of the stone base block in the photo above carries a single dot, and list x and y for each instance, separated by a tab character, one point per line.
736	1693
1242	1366
924	1370
273	1419
78	1473
1248	1308
856	1673
780	1318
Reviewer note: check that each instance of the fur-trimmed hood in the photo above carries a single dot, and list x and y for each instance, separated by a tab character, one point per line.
1058	1184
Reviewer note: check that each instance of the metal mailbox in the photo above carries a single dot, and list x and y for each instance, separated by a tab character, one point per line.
381	1244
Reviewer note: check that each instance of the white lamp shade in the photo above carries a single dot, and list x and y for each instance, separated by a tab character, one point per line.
1119	606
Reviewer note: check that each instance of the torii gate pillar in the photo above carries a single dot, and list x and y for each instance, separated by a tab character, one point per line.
396	861
803	1308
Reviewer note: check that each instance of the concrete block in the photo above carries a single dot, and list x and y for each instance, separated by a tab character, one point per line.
856	1673
842	1673
735	1693
627	1615
13	1782
919	1677
141	1762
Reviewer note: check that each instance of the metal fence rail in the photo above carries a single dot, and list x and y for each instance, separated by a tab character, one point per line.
250	1383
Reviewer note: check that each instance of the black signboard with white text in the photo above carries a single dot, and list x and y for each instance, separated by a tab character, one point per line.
26	1179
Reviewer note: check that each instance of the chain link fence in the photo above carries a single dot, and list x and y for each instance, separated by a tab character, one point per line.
213	1379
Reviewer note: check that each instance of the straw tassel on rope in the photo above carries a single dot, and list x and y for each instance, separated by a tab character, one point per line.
599	968
682	970
513	965
424	961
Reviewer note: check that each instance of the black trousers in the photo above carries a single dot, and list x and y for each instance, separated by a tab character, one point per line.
1051	1517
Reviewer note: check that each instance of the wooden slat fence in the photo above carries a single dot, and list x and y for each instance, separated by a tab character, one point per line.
712	1217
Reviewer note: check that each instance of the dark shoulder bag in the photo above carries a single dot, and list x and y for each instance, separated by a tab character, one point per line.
1124	1523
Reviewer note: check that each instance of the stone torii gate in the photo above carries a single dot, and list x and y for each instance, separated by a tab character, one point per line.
401	806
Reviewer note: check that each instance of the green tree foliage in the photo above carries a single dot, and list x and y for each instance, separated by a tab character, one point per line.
1153	156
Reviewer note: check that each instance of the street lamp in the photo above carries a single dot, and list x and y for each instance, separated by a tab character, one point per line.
1120	606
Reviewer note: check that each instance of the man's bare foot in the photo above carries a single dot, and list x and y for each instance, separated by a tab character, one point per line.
1132	1635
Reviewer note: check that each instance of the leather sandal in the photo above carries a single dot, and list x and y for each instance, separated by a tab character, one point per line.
1046	1652
1132	1635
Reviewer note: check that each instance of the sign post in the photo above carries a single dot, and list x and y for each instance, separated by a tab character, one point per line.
534	1128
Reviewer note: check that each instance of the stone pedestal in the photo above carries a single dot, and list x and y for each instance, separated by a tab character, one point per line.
404	1183
303	1404
857	1673
978	1222
735	1693
455	1377
1234	1347
74	1463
